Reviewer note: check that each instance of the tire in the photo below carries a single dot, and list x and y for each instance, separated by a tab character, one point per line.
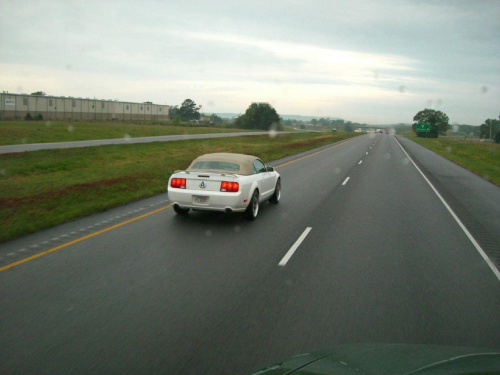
277	193
253	207
180	211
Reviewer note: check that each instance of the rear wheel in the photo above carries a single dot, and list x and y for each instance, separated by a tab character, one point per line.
253	207
181	211
277	192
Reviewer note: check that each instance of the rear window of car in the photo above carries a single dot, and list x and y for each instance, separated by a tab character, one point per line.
220	165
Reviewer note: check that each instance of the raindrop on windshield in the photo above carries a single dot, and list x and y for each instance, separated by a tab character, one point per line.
273	130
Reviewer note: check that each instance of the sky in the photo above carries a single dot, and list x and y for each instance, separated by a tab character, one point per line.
374	62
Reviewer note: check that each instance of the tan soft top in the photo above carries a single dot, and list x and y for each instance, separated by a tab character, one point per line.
244	162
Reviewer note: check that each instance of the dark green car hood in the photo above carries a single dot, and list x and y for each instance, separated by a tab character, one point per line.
390	359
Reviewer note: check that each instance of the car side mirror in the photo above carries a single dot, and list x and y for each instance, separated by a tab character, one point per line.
270	169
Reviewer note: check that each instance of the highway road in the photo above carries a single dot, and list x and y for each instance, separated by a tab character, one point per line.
117	141
360	249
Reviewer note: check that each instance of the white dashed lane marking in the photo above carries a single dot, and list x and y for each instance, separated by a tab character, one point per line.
295	246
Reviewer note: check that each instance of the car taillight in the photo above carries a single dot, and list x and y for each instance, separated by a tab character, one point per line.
230	187
179	183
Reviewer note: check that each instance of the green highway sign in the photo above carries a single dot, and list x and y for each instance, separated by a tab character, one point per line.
423	127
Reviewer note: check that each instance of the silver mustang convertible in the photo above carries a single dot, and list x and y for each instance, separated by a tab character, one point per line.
224	182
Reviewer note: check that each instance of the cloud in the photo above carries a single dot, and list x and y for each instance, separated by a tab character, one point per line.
353	59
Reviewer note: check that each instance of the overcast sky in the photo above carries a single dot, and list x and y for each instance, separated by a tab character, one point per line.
374	62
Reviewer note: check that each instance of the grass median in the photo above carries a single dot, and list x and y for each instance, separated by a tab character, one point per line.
41	189
481	158
20	132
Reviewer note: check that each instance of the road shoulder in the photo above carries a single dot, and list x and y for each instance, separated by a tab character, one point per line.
474	200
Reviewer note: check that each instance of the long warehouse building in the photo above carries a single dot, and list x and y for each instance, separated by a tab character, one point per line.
17	107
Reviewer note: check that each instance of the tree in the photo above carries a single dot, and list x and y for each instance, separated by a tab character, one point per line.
348	126
438	121
39	93
324	121
259	116
173	112
216	119
189	110
485	128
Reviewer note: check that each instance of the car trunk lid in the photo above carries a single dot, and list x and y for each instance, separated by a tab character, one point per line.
207	181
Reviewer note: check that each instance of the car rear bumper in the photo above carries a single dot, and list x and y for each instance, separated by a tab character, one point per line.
208	200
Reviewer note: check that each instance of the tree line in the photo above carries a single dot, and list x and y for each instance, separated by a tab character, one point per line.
260	116
263	116
439	124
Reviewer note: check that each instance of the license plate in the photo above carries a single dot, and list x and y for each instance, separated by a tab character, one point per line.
200	200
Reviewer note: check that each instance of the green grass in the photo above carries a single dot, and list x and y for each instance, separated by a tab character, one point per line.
481	158
41	189
19	132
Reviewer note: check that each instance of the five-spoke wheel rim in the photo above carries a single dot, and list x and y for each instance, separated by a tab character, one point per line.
255	204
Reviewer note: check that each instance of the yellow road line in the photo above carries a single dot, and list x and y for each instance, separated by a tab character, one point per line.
19	262
81	239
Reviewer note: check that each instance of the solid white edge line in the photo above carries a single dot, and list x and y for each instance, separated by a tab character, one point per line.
459	222
295	246
345	181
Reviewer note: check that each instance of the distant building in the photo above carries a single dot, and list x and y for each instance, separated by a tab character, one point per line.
17	106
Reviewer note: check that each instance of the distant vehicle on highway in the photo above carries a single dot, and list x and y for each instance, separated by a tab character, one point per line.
224	182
